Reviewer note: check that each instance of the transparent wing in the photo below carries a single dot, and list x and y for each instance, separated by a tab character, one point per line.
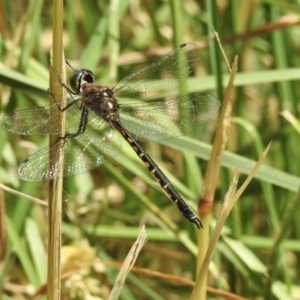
99	144
36	121
166	119
161	76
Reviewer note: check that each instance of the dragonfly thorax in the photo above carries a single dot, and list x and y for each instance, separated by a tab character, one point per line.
100	100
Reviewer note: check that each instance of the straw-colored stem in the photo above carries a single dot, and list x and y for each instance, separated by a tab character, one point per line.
55	186
212	172
230	200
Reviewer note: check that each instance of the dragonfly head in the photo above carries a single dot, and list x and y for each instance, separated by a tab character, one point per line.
80	78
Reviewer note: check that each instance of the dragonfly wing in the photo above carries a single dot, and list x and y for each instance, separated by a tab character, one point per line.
27	122
97	145
162	120
36	121
161	76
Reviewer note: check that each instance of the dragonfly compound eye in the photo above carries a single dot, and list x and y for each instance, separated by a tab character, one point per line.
87	76
80	77
75	81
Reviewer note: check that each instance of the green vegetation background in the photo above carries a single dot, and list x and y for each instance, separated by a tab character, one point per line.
103	209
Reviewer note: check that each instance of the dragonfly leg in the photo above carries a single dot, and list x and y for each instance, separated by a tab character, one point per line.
62	83
82	125
64	108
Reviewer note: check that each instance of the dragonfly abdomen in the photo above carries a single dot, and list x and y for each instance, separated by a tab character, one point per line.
159	176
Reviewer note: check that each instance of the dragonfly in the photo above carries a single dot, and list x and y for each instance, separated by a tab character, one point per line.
99	118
